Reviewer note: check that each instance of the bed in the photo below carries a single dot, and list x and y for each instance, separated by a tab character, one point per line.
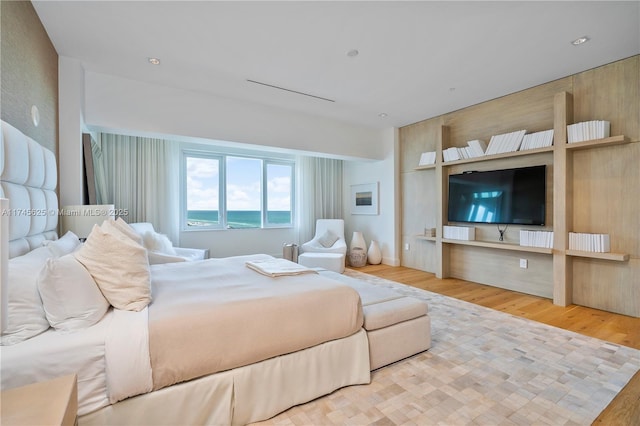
205	342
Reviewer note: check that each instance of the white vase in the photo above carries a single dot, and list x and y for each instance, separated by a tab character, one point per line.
374	255
357	241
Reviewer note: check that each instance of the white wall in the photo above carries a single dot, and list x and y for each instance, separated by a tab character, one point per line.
385	226
121	104
112	103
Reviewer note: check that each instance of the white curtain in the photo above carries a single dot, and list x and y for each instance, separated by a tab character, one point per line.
140	175
320	193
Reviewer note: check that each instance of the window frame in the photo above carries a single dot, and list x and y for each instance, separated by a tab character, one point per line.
265	193
221	156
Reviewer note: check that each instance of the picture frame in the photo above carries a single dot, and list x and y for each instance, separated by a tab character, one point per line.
364	198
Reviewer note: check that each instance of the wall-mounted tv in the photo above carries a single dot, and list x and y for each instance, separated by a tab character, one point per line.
509	196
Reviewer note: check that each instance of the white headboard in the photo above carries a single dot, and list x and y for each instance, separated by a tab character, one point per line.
28	178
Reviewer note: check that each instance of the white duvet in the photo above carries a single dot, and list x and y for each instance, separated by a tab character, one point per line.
111	359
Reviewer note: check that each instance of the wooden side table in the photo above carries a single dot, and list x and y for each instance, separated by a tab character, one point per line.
53	402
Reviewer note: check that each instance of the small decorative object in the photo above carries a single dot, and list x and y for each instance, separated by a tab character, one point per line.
357	241
357	257
374	255
357	250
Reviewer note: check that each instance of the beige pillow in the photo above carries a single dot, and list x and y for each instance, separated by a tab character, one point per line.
328	239
119	266
125	228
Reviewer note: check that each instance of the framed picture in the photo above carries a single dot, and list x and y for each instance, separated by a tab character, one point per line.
364	198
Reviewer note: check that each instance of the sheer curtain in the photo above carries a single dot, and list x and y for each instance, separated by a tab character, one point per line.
140	175
320	193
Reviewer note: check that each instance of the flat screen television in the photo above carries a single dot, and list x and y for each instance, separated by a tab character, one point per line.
509	196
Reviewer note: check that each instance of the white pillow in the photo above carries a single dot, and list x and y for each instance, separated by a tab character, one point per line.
156	258
70	296
158	242
63	245
119	266
328	239
125	228
25	314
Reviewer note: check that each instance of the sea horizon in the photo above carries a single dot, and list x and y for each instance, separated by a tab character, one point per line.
237	218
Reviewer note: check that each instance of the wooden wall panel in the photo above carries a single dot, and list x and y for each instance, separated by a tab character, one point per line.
610	92
602	188
501	268
530	109
416	139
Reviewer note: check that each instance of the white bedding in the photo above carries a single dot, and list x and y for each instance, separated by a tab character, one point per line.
53	354
111	359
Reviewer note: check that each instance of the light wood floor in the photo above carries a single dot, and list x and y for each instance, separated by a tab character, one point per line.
624	410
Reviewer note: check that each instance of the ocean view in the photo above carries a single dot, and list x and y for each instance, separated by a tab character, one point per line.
236	218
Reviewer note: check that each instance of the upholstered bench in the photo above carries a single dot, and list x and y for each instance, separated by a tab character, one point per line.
331	261
396	329
397	326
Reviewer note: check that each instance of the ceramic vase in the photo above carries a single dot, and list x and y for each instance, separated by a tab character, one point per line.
357	250
357	241
374	255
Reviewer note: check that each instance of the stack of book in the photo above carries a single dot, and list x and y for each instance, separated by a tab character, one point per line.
536	238
588	130
537	140
598	243
507	142
429	232
459	232
427	158
474	149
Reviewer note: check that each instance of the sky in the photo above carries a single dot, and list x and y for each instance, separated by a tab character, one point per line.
243	184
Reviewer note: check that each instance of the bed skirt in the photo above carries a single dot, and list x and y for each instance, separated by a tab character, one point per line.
247	394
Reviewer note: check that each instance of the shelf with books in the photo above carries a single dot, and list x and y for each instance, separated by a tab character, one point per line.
501	246
619	257
499	156
611	141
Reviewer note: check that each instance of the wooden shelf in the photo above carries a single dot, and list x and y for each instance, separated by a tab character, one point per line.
501	246
499	156
613	140
619	257
426	167
422	237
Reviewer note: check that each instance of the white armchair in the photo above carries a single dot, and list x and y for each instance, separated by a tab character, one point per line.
328	248
166	254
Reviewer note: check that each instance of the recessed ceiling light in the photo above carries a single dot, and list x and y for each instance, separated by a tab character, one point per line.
382	115
579	41
154	61
353	53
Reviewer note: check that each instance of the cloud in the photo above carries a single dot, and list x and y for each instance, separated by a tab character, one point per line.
279	184
202	167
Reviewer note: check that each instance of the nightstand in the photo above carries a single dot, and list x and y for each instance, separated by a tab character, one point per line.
53	402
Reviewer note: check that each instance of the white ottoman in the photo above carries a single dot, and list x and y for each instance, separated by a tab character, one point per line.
331	261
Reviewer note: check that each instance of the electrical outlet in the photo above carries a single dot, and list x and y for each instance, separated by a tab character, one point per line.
523	263
407	247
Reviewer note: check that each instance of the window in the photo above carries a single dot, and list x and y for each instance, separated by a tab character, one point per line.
279	178
234	192
203	191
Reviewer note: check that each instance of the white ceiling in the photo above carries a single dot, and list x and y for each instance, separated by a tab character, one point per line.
417	59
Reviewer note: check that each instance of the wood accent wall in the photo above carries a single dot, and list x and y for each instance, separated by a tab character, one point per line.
29	73
600	195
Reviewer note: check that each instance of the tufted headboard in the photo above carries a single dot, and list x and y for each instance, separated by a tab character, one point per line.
28	178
